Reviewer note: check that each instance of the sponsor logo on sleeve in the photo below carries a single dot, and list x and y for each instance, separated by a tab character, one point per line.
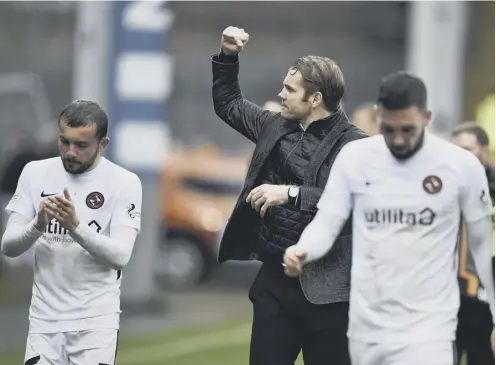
131	211
484	198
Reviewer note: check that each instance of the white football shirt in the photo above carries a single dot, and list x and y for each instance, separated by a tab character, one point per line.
71	290
406	219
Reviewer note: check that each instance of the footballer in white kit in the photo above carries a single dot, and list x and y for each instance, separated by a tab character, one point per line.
407	191
82	214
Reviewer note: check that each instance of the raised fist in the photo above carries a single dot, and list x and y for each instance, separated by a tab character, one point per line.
233	40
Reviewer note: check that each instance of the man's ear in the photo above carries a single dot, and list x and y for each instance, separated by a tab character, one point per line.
427	117
104	143
486	154
317	99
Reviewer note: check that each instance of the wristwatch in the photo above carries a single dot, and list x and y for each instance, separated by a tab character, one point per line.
293	193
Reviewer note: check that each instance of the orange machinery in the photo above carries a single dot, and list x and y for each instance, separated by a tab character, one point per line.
198	190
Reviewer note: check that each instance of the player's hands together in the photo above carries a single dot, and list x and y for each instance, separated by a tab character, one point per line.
265	196
61	207
294	259
233	40
42	218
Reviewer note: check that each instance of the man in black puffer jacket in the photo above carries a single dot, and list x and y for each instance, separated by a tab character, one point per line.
294	153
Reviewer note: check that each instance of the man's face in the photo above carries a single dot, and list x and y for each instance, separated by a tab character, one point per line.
469	142
79	147
294	105
403	129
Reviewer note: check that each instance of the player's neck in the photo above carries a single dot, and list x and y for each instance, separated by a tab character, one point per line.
317	114
95	164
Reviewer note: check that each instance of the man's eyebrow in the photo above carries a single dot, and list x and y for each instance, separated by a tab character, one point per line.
72	140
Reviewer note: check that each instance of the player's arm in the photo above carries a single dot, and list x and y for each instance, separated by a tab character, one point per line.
334	209
477	209
23	228
20	234
115	251
229	104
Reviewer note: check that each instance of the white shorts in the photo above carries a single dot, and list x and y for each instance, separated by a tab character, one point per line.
428	353
72	348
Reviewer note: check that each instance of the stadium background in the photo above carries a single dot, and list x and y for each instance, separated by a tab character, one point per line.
148	64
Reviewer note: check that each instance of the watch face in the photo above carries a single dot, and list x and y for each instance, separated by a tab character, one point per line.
293	191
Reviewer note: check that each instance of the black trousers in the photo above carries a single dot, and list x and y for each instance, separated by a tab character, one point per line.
474	330
285	323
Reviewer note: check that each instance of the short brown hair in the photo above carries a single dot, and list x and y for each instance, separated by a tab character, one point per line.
473	129
321	74
81	113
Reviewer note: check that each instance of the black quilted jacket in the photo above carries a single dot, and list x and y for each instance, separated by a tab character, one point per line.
323	281
287	164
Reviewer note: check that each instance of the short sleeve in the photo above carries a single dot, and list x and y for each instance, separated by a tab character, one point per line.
475	199
21	202
127	211
336	200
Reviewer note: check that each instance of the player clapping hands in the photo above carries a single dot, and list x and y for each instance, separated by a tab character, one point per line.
61	207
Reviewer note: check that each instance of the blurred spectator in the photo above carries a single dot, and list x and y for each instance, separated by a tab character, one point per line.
364	118
485	118
474	317
473	138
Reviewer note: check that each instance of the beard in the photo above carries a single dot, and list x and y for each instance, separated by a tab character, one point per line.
75	167
406	154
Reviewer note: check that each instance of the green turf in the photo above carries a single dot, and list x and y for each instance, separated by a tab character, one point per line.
222	344
226	343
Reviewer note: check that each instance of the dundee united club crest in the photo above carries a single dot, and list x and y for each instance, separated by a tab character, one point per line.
95	200
432	184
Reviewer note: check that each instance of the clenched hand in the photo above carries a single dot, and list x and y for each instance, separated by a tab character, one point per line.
265	196
294	259
233	40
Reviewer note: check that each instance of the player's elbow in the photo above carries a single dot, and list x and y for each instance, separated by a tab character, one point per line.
118	265
7	249
4	250
120	261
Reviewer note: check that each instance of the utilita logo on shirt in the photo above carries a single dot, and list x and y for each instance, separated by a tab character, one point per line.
55	233
54	227
398	216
